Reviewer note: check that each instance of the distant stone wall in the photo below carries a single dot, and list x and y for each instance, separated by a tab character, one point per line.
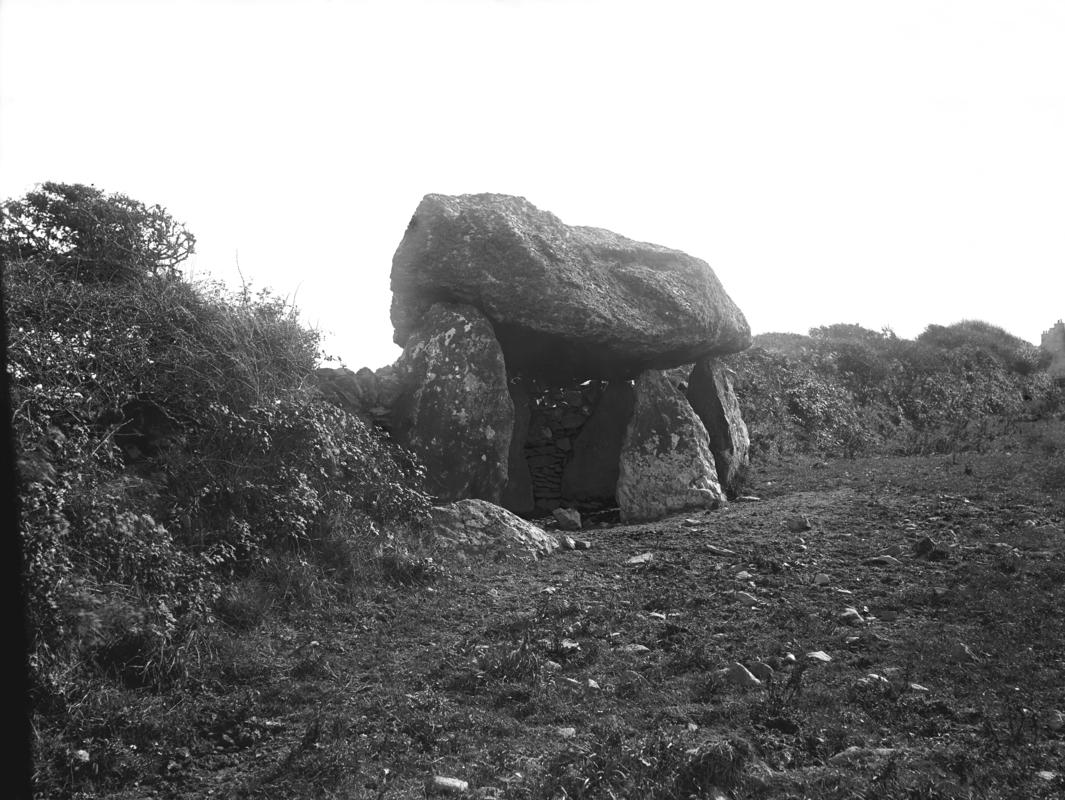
1053	342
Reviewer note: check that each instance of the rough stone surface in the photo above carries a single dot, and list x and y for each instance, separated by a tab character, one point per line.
368	394
591	476
518	492
568	519
666	465
617	307
454	410
711	394
479	528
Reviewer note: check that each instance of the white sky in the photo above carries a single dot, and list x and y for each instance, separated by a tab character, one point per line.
883	163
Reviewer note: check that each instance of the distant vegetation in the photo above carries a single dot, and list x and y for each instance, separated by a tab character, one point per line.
170	443
846	390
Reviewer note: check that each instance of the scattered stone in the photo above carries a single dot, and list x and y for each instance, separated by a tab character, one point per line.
1047	775
851	616
962	652
819	655
883	561
916	687
739	675
569	519
635	649
552	666
789	658
439	783
592	685
714	550
643	558
748	498
477	527
854	754
748	599
581	544
744	576
924	546
1055	720
800	523
81	756
567	542
761	670
666	465
821	579
569	645
875	681
567	733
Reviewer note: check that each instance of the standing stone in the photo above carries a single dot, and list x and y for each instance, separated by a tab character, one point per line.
454	411
591	477
518	494
711	394
666	465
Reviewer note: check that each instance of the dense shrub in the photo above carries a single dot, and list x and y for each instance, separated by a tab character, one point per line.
845	389
169	438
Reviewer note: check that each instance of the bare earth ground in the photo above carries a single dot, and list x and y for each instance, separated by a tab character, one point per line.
521	680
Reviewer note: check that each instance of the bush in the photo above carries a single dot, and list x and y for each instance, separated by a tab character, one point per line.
169	436
845	390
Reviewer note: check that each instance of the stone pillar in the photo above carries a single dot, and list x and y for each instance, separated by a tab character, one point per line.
454	409
666	465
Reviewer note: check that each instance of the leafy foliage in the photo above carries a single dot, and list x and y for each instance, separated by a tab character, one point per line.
82	233
169	437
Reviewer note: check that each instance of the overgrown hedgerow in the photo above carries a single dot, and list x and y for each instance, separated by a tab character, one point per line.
169	438
846	390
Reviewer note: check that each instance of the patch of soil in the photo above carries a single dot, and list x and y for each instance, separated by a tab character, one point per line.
900	623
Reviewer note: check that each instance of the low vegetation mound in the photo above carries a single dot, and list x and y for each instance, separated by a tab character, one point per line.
846	390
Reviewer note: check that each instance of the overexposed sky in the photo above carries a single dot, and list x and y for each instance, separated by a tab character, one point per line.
882	163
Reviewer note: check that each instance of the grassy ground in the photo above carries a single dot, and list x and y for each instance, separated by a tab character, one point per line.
585	676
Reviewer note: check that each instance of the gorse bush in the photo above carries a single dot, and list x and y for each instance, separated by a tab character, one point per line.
169	437
845	390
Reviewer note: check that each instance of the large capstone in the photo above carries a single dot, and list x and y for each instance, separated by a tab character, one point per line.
565	302
714	400
666	465
454	411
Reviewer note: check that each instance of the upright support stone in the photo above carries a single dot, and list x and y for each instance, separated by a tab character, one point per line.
591	477
711	394
518	493
666	465
454	410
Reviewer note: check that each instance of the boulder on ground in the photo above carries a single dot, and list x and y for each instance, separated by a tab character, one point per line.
591	476
666	465
479	528
454	411
565	302
714	400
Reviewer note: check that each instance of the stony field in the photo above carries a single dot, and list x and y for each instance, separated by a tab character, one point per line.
873	628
